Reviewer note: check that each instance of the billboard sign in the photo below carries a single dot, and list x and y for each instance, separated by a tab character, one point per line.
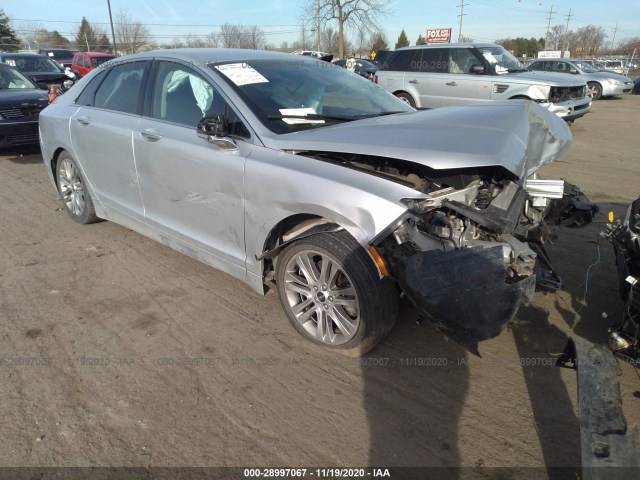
438	35
550	54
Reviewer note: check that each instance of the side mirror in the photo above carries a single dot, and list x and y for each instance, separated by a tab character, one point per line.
477	69
214	129
215	125
573	71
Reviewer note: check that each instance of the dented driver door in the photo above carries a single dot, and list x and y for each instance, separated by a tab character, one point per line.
192	189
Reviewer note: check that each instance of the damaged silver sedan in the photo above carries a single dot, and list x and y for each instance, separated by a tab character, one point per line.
289	172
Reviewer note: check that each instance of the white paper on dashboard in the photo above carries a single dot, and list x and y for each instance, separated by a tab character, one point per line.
241	74
299	112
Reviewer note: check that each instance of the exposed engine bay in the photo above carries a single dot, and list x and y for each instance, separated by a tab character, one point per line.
490	226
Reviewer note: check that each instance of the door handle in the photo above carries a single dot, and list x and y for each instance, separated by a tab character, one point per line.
84	120
452	84
151	135
413	81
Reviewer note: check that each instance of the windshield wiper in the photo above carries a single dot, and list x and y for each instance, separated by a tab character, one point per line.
312	116
346	118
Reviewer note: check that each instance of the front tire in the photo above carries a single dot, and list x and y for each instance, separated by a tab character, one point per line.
332	294
72	188
595	90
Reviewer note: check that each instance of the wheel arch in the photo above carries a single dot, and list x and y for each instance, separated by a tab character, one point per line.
297	226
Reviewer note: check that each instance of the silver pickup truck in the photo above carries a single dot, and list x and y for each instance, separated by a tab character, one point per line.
442	75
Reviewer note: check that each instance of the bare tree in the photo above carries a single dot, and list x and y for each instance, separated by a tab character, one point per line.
347	13
239	36
329	42
588	40
131	34
378	41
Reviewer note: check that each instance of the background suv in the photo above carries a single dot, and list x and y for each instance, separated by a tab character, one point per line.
84	62
60	55
599	83
431	76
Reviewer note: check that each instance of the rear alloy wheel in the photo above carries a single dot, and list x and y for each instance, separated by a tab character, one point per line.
406	98
71	186
595	90
332	293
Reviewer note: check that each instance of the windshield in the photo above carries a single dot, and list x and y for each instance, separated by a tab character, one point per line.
97	61
292	95
11	78
34	64
61	54
502	60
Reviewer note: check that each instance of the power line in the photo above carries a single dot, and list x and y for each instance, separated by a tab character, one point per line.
146	24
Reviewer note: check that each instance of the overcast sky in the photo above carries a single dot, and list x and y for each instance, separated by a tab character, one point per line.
484	20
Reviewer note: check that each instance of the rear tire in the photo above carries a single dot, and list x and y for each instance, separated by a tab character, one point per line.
73	191
331	293
406	98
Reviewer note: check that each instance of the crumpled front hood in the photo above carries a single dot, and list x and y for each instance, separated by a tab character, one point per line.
518	135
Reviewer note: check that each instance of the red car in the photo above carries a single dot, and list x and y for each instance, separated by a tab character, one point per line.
84	62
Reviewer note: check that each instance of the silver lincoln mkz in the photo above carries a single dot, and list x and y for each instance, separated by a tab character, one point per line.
286	171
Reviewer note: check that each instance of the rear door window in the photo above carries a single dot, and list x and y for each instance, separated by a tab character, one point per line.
122	89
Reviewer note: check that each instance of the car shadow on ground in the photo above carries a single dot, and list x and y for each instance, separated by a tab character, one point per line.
414	401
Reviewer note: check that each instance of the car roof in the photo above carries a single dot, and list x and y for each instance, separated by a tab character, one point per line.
22	55
219	55
97	54
449	45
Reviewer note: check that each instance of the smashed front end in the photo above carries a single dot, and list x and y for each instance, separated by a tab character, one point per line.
469	249
469	257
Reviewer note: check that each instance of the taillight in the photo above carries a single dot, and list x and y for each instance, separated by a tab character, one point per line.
375	79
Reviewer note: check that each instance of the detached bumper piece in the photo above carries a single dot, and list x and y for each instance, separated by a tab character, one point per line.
464	292
609	451
573	209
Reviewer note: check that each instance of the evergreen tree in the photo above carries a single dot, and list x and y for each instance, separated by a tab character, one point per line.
403	41
421	40
86	38
8	39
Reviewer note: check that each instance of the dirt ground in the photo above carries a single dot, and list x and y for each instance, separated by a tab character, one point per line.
117	351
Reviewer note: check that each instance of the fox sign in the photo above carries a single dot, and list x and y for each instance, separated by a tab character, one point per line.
439	35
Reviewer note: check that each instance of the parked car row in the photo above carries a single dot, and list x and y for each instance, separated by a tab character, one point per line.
600	83
25	76
441	75
21	101
317	183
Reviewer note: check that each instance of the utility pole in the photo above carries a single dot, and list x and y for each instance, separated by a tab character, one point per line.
462	14
546	37
115	47
613	40
318	25
566	31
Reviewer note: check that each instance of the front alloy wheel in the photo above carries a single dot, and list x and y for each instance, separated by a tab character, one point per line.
333	295
321	297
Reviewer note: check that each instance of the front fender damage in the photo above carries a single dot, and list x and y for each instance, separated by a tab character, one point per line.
464	292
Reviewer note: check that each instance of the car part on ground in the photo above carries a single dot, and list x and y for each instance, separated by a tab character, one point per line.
442	75
295	176
20	105
608	450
